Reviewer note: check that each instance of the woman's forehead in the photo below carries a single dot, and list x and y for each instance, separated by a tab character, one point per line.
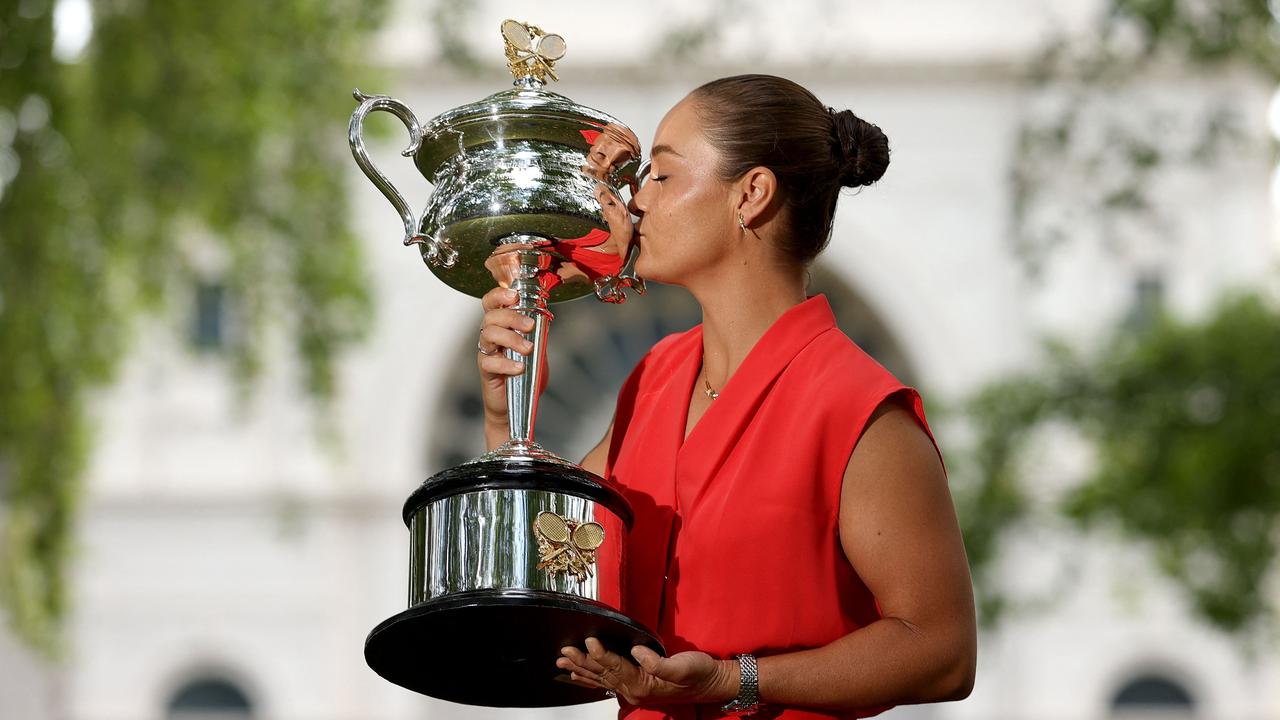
679	131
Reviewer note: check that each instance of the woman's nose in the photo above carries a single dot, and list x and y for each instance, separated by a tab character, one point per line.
640	198
636	204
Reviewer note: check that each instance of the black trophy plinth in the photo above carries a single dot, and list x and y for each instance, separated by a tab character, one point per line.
497	645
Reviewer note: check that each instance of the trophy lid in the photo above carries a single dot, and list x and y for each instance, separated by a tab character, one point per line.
524	112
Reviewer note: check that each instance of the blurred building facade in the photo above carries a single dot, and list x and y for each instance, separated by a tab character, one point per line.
232	559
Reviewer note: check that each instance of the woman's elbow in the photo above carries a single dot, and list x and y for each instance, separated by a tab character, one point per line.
961	669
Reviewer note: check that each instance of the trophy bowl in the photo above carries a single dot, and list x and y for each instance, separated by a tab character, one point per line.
518	553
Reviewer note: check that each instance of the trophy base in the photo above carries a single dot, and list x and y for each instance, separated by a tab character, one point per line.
522	451
497	648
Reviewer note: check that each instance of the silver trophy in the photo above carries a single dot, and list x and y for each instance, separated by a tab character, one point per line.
519	552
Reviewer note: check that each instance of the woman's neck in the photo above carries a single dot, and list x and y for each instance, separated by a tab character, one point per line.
737	308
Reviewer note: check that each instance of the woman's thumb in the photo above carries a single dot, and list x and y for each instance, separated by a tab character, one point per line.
650	661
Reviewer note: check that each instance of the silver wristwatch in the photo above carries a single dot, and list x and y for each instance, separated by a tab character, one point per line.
748	700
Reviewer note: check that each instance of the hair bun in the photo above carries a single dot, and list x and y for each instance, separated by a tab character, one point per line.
862	149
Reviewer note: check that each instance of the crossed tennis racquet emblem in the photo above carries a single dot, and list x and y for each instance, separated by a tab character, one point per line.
531	52
565	546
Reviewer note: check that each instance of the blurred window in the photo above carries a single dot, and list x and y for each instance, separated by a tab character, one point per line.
1152	696
208	330
1148	301
209	698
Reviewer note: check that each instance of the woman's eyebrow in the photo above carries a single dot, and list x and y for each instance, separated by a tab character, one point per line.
664	148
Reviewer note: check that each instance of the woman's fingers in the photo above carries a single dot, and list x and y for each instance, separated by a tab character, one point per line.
500	365
615	670
650	661
498	297
502	330
596	651
507	318
577	679
581	660
493	336
579	673
577	670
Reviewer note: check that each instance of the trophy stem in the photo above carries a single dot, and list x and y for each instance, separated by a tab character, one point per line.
520	266
522	390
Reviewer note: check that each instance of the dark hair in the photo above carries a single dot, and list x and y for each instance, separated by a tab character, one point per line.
763	120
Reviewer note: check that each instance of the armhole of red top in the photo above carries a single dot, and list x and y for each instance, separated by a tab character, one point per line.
911	399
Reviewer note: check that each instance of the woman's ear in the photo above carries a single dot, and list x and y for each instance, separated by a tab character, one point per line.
755	192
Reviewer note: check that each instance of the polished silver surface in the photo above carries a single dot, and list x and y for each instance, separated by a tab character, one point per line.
747	701
612	289
518	187
522	161
485	541
523	112
524	450
434	251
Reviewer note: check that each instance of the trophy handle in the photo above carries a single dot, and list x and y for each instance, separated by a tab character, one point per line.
437	252
611	288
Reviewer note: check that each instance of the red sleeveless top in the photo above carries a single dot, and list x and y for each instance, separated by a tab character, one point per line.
735	547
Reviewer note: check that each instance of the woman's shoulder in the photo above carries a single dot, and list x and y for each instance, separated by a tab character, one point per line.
835	362
849	383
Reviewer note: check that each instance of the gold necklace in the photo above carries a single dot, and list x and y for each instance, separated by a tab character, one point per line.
707	383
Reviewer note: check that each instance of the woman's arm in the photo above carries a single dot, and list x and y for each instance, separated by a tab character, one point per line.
595	460
898	528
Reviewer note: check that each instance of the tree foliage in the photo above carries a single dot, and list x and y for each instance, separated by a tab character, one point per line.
1098	146
1187	426
1205	32
186	130
1182	417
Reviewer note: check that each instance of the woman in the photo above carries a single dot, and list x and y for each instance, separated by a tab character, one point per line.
795	544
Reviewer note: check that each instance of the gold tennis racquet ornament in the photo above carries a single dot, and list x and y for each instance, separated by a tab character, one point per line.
567	547
518	553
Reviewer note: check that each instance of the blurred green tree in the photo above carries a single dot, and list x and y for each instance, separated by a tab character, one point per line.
183	125
1184	422
1183	418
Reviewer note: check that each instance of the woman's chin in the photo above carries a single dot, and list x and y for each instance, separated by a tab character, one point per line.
648	268
648	271
643	268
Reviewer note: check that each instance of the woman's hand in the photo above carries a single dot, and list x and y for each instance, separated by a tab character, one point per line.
500	330
683	677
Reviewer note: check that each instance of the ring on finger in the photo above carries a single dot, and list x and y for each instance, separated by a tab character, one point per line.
489	353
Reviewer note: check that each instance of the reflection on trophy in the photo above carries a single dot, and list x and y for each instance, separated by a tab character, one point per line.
520	552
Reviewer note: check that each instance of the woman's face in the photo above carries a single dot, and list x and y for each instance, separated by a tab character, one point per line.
685	209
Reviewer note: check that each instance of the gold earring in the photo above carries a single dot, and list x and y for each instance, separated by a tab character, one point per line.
742	223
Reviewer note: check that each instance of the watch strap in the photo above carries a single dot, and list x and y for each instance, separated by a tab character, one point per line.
748	699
